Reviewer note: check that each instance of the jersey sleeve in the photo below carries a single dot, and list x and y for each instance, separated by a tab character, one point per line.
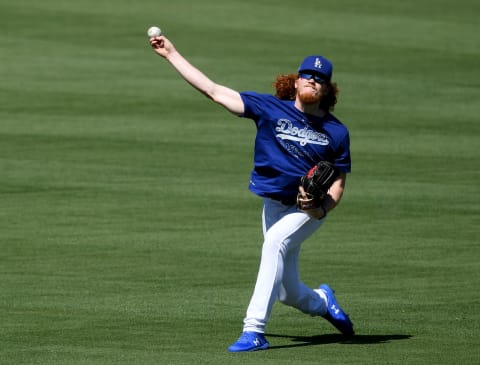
343	160
254	105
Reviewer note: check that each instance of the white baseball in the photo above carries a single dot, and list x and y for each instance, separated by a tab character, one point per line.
154	32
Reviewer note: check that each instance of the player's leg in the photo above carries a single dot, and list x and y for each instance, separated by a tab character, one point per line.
295	293
285	235
321	301
277	229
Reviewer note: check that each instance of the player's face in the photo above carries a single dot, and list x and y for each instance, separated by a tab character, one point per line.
309	90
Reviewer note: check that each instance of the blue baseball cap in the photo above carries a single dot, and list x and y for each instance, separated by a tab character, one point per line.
317	64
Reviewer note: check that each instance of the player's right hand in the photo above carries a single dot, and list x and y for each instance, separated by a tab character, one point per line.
161	45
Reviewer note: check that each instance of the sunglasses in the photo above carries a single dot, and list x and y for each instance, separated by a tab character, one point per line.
317	78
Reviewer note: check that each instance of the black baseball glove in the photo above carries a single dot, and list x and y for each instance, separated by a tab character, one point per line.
315	184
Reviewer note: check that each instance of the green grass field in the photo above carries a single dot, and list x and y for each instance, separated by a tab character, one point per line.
128	235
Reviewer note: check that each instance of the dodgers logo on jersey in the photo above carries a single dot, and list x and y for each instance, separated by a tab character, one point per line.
287	131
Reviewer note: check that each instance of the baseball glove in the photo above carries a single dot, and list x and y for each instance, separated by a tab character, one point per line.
315	184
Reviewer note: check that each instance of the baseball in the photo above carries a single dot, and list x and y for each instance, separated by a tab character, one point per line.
154	32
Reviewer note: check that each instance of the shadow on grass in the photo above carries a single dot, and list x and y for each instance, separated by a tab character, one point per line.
337	338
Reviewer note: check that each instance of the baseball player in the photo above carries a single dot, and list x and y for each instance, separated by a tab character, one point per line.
295	130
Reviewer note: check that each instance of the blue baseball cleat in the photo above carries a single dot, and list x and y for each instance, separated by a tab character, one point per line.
249	341
335	315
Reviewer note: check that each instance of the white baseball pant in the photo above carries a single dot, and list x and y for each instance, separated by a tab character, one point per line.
284	230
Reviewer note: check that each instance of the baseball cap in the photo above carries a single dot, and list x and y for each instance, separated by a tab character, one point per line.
317	64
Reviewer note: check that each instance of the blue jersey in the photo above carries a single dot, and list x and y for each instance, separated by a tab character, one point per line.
288	143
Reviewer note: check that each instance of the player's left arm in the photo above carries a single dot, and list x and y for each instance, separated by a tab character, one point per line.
332	199
335	192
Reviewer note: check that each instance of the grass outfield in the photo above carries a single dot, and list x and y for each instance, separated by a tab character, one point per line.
128	235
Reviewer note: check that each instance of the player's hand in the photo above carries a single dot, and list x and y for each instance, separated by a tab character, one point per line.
306	204
162	46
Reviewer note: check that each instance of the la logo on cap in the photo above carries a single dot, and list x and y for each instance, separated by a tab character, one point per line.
317	64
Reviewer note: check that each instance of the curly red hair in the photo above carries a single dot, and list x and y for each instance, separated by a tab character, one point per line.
285	90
